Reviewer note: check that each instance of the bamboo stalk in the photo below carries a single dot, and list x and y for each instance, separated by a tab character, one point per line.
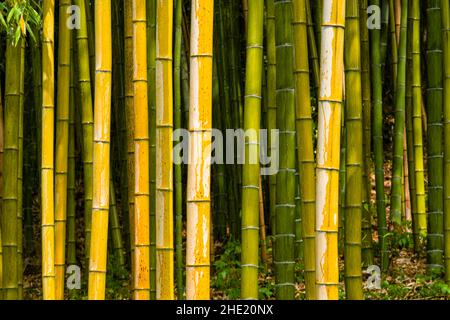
285	198
62	148
87	120
417	119
435	240
47	153
445	14
328	147
164	156
305	144
377	134
251	168
178	181
367	252
354	156
198	183
101	159
397	169
151	64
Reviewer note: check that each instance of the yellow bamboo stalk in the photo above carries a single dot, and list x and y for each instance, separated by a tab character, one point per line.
142	152
199	168
328	149
47	152
62	148
164	163
102	117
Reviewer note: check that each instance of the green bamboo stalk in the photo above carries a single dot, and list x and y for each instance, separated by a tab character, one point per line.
20	175
178	181
367	252
305	144
417	119
312	48
354	156
1	190
251	168
384	31
397	170
10	165
410	144
271	100
393	46
87	120
377	131
151	77
115	227
435	240
445	14
285	196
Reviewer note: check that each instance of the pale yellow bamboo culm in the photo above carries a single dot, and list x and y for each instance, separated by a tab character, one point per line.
62	148
164	163
199	168
328	148
47	151
102	117
141	152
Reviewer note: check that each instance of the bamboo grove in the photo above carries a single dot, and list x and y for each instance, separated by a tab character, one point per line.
137	138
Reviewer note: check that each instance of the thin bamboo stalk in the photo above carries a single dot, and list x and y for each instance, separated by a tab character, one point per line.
397	168
377	134
417	119
47	153
87	120
178	181
62	148
305	144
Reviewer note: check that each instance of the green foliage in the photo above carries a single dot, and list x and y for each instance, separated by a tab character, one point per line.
17	17
227	273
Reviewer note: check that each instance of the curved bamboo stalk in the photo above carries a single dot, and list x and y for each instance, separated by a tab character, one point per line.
328	149
198	185
354	156
141	257
62	148
284	259
47	152
164	156
435	240
251	168
305	144
101	163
